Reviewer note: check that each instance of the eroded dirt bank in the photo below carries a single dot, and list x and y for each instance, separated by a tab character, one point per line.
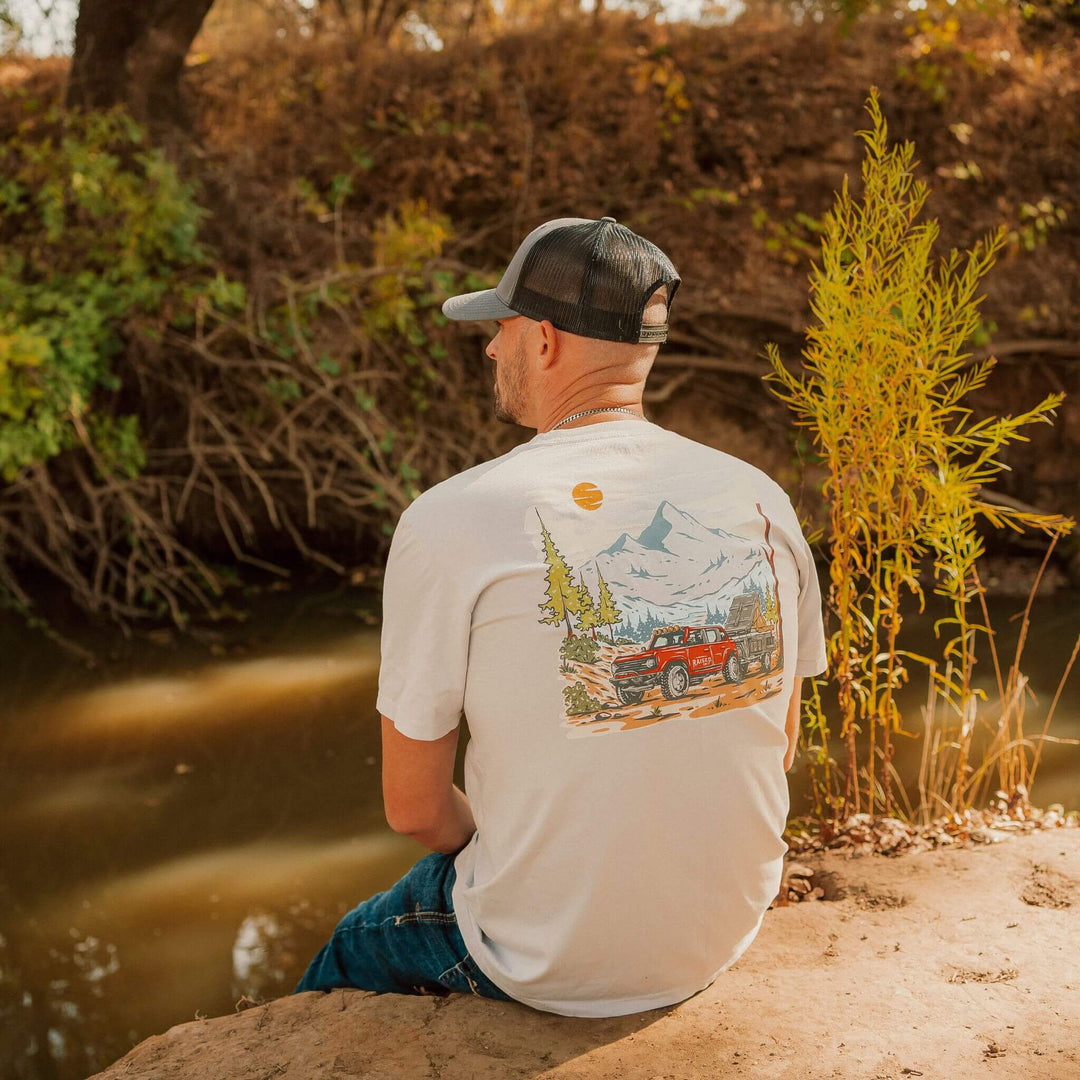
953	963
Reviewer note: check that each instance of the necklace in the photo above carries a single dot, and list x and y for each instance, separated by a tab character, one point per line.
610	408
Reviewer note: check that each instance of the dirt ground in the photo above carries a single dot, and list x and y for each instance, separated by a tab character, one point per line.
953	963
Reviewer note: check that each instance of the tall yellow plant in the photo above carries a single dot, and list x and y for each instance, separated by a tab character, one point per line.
881	390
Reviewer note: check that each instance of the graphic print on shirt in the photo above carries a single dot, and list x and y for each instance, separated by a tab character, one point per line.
679	620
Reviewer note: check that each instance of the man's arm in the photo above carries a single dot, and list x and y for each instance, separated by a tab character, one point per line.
791	726
420	798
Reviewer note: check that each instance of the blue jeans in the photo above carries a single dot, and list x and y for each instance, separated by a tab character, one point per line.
404	940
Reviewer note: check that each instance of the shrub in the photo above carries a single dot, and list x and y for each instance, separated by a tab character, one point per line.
884	380
579	648
578	700
95	228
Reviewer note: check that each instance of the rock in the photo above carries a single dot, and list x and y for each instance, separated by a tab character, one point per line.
965	913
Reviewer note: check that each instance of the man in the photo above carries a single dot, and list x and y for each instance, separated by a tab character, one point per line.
625	617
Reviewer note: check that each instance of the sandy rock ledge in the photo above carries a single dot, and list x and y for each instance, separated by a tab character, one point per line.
952	963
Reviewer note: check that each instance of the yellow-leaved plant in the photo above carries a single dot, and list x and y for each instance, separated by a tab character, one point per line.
881	390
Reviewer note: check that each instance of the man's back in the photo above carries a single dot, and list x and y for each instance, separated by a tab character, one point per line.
620	612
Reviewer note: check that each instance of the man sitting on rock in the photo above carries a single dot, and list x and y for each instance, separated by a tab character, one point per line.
620	835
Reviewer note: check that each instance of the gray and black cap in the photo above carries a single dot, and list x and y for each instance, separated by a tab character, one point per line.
587	277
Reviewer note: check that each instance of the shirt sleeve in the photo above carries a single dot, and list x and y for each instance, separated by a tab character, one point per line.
424	650
812	658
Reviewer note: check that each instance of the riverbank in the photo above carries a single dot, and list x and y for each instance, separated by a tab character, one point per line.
951	962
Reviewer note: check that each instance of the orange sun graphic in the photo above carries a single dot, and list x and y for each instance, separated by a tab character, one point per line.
587	496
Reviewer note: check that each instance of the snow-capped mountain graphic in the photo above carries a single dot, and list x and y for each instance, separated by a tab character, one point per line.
677	570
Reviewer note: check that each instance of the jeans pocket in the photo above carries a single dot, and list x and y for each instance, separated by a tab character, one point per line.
462	977
466	978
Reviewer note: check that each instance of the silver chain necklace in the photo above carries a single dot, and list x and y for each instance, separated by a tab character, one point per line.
610	408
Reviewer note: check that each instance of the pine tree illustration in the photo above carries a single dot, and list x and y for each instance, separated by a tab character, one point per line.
563	599
588	617
769	611
609	612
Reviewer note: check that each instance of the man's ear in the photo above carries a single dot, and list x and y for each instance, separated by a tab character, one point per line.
548	340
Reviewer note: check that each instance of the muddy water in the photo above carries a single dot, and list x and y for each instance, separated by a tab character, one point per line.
182	826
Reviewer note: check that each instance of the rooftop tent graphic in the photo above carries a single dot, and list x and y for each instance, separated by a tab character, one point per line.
745	614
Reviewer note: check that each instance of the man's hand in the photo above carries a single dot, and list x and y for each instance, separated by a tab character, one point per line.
791	726
420	798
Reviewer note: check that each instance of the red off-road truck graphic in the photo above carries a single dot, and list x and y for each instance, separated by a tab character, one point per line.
678	657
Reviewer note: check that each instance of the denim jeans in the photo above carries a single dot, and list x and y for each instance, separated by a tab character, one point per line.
404	940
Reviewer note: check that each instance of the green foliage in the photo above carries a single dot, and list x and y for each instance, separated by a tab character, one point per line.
310	197
283	390
578	700
929	77
790	240
657	72
581	648
117	442
936	51
1036	220
709	196
224	294
403	244
95	227
984	332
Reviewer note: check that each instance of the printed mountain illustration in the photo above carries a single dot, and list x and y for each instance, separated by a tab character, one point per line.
713	593
676	570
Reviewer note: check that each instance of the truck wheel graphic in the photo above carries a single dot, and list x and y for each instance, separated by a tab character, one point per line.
674	680
733	669
628	697
768	661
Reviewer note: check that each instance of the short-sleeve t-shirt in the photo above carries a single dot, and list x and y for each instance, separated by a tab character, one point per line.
619	612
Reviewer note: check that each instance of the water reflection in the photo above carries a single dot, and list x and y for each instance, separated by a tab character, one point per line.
217	694
39	805
200	931
179	833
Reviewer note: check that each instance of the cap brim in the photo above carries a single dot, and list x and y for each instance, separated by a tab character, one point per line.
483	304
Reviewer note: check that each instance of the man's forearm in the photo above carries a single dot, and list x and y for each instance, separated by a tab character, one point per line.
454	825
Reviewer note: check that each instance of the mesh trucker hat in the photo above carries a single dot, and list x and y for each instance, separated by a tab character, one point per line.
584	276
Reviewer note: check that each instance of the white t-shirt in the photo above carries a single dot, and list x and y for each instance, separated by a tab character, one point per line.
627	780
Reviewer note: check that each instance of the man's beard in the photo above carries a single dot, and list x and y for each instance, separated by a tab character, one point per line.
508	409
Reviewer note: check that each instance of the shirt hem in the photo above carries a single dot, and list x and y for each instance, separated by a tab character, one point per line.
588	1009
613	1006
